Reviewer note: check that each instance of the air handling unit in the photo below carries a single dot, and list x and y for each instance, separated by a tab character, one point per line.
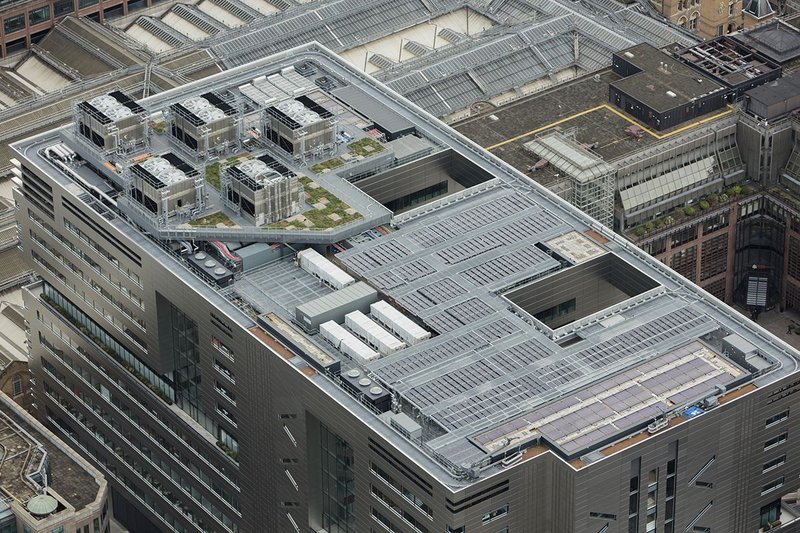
261	190
165	186
205	124
318	266
112	123
300	126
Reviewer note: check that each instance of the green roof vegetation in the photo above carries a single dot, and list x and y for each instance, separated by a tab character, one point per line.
681	214
328	210
212	175
213	220
366	147
330	164
158	127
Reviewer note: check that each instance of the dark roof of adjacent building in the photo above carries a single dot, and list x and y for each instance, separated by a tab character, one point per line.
664	83
729	62
780	97
777	40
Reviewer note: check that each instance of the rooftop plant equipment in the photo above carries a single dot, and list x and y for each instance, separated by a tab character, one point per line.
318	266
112	123
375	335
398	323
346	342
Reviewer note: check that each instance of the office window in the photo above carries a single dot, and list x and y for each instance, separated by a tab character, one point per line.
37	16
336	458
604	516
775	441
778	461
780	417
15	23
87	3
769	487
494	515
63	7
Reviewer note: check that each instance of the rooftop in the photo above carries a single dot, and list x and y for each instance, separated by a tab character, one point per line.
463	266
663	82
578	109
36	463
778	40
726	60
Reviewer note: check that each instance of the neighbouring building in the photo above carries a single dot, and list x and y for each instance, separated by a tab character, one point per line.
460	339
46	486
706	18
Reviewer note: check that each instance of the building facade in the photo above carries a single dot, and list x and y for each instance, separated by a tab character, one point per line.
707	18
26	23
209	409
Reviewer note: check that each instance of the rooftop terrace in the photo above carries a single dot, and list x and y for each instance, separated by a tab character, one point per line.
460	266
28	458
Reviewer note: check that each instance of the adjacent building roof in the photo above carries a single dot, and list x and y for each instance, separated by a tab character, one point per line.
775	99
776	40
664	83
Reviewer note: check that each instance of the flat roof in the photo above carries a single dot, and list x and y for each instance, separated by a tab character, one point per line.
727	60
448	265
778	40
69	478
785	89
661	75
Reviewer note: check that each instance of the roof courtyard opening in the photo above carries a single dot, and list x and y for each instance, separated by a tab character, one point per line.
585	289
425	180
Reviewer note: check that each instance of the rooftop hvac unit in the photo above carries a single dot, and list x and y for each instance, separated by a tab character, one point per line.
205	124
358	384
317	265
371	332
300	125
261	193
166	185
112	122
398	323
346	342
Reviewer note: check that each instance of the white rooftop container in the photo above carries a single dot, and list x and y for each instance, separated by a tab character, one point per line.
398	323
363	327
316	265
346	342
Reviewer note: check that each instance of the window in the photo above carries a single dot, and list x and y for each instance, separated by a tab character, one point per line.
778	461
633	498
693	21
63	7
780	417
14	23
455	529
775	441
37	16
494	515
604	516
219	345
16	384
769	487
399	488
87	3
731	9
407	517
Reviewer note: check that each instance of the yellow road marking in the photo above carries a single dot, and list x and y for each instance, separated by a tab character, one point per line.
619	114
